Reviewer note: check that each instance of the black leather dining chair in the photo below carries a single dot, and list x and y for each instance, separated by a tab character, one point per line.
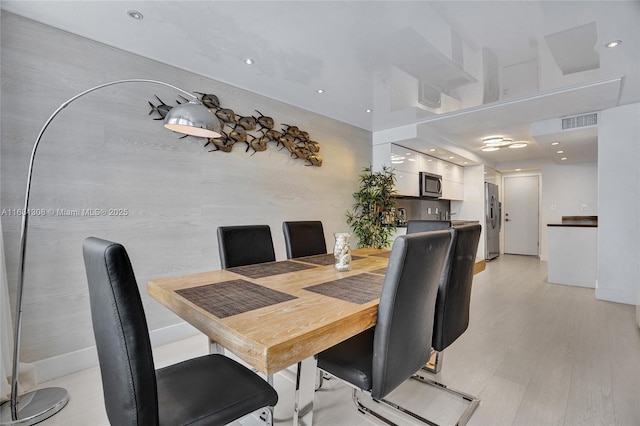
453	306
304	238
208	390
414	226
380	359
245	245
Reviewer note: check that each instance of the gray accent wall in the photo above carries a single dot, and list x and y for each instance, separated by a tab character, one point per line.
104	152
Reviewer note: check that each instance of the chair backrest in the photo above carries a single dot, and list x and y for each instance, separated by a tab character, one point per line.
454	291
245	245
404	328
304	238
414	226
122	336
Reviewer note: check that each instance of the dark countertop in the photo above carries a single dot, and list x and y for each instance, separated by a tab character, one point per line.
577	222
453	222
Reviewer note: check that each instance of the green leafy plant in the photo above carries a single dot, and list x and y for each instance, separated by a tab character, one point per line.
373	199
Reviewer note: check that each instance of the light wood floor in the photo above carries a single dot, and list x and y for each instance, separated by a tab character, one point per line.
536	354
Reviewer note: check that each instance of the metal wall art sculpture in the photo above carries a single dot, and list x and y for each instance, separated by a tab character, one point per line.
254	131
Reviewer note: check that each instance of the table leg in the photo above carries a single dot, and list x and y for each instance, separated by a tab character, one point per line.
305	390
215	348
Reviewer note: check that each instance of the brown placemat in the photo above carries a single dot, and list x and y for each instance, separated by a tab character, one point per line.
261	270
382	271
324	259
360	289
233	297
385	254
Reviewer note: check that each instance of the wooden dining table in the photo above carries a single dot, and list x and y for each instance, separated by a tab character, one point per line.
278	314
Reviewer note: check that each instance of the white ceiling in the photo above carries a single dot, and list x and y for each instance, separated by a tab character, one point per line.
497	66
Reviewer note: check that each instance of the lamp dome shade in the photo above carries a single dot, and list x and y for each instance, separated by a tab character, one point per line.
193	119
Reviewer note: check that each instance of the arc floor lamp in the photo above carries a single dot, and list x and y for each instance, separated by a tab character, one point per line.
190	118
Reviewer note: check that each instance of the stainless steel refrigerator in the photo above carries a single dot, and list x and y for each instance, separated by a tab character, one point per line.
493	209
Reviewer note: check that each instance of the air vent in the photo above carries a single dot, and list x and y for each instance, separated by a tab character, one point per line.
429	96
583	120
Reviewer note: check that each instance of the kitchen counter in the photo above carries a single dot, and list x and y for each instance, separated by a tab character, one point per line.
572	250
578	221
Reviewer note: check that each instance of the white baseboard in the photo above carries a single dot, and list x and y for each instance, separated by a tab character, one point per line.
618	296
72	362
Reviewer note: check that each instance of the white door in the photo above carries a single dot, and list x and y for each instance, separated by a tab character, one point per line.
521	215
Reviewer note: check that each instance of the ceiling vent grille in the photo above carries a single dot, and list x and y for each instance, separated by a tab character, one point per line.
583	120
429	96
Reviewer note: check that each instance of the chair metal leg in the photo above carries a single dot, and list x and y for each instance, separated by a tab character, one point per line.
366	410
322	376
434	365
267	415
473	401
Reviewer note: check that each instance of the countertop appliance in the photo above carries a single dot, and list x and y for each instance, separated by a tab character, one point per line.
430	185
493	209
402	217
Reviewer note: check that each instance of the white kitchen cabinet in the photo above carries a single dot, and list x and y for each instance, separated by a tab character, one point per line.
408	164
407	183
406	160
451	172
429	164
452	190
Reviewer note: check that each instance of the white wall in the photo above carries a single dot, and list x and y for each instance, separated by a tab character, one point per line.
472	208
564	190
619	204
104	151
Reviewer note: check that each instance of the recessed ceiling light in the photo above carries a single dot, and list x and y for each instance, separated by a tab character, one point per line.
432	150
614	43
490	148
560	152
429	159
520	144
135	14
563	158
249	61
518	170
368	111
555	143
465	162
451	158
320	91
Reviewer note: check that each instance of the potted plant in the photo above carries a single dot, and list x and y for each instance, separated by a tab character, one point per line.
372	201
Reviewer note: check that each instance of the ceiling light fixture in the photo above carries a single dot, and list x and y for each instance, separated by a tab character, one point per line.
555	143
135	14
498	142
519	144
368	111
249	61
560	152
492	140
320	91
563	158
614	43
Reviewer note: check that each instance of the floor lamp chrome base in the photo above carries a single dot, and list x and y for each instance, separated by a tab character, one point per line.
35	406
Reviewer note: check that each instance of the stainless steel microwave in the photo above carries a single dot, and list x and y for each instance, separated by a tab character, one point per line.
430	185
